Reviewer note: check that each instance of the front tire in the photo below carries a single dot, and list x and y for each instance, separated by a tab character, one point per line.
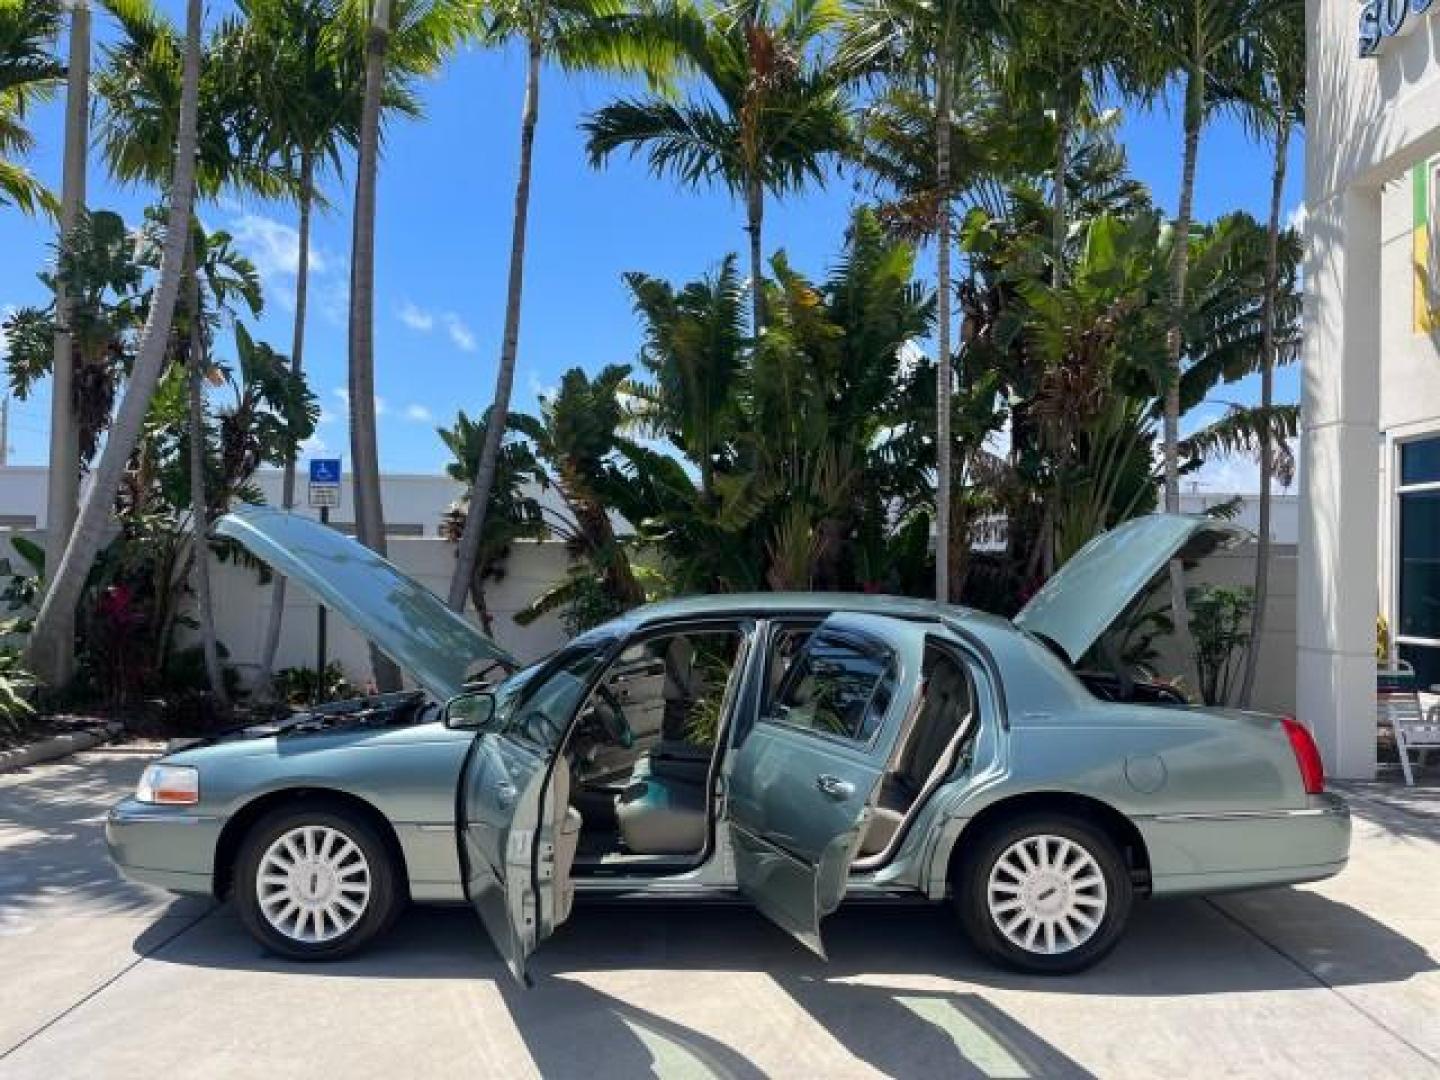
314	884
1045	894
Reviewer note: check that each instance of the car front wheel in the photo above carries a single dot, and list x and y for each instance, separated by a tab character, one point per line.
1045	894
314	884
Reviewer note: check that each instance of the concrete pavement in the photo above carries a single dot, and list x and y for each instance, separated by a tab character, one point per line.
99	978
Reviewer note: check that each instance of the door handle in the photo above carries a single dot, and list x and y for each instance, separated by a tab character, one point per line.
834	786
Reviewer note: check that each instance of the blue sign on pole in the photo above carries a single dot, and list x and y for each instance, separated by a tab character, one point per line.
325	471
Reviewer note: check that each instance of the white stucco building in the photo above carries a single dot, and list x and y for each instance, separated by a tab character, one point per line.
1371	376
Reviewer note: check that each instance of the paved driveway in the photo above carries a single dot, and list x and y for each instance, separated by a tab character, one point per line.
99	978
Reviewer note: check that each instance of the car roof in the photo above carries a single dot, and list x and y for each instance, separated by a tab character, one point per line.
817	603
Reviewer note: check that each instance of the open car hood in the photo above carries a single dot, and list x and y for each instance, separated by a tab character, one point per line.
1113	570
400	616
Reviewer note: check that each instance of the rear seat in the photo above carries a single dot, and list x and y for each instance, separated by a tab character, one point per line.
924	759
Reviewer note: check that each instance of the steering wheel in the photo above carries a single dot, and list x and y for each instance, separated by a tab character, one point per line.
612	718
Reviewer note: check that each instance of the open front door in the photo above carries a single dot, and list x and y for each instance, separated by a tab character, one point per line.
518	831
804	780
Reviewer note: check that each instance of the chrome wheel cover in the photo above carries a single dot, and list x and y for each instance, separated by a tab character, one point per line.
313	884
1046	894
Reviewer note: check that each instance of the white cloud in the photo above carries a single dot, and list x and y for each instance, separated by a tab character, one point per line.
342	395
538	389
460	334
419	414
273	246
1297	218
313	447
417	318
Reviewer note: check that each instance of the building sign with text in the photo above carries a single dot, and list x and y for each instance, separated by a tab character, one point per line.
1381	20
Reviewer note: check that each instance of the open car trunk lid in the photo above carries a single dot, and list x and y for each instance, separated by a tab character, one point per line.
1102	579
404	619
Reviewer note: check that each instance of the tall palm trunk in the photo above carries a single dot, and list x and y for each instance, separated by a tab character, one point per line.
942	358
53	631
505	377
199	509
755	227
364	443
264	682
1179	271
63	475
1267	399
1060	208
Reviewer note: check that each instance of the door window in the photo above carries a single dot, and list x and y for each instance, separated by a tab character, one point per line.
840	685
539	706
1417	549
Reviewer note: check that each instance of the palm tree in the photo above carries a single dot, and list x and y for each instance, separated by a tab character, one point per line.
28	71
302	77
1195	42
1059	56
57	611
411	39
513	513
63	474
928	47
1277	109
580	35
770	114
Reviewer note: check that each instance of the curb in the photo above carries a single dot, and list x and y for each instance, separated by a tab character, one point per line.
57	747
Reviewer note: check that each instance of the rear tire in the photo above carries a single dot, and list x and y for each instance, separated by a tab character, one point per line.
1044	894
314	883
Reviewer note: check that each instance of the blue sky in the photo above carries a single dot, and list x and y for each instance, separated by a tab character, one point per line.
445	199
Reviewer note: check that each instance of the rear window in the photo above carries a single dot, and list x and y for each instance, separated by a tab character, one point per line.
840	685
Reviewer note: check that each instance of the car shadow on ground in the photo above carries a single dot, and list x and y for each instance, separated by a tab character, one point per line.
902	991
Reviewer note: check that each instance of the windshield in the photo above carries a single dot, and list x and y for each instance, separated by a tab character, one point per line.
536	703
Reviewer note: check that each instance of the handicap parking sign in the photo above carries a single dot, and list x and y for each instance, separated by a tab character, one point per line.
325	482
325	471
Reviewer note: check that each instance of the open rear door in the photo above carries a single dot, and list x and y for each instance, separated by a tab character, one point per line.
803	782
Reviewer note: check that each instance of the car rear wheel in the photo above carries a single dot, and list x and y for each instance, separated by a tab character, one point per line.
1047	894
314	884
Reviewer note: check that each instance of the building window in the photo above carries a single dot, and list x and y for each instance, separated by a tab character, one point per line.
1417	555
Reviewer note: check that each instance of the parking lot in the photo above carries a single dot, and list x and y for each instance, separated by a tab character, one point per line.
100	978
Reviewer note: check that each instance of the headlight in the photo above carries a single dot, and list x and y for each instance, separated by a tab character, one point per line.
174	784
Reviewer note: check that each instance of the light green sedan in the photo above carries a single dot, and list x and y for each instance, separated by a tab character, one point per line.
795	750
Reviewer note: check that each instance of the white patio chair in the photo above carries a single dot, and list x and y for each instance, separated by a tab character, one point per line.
1398	708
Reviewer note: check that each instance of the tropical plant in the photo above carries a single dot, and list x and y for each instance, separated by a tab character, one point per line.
16	687
29	71
1220	628
53	631
410	37
302	686
574	437
586	35
514	513
768	115
1275	93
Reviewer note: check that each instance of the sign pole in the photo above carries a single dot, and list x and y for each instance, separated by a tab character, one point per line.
320	620
324	493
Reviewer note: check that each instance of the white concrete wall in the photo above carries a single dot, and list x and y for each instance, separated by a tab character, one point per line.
1275	676
242	605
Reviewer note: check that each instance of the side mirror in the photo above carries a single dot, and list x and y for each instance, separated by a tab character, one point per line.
470	712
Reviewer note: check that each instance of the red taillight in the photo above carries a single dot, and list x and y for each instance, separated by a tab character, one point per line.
1307	756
